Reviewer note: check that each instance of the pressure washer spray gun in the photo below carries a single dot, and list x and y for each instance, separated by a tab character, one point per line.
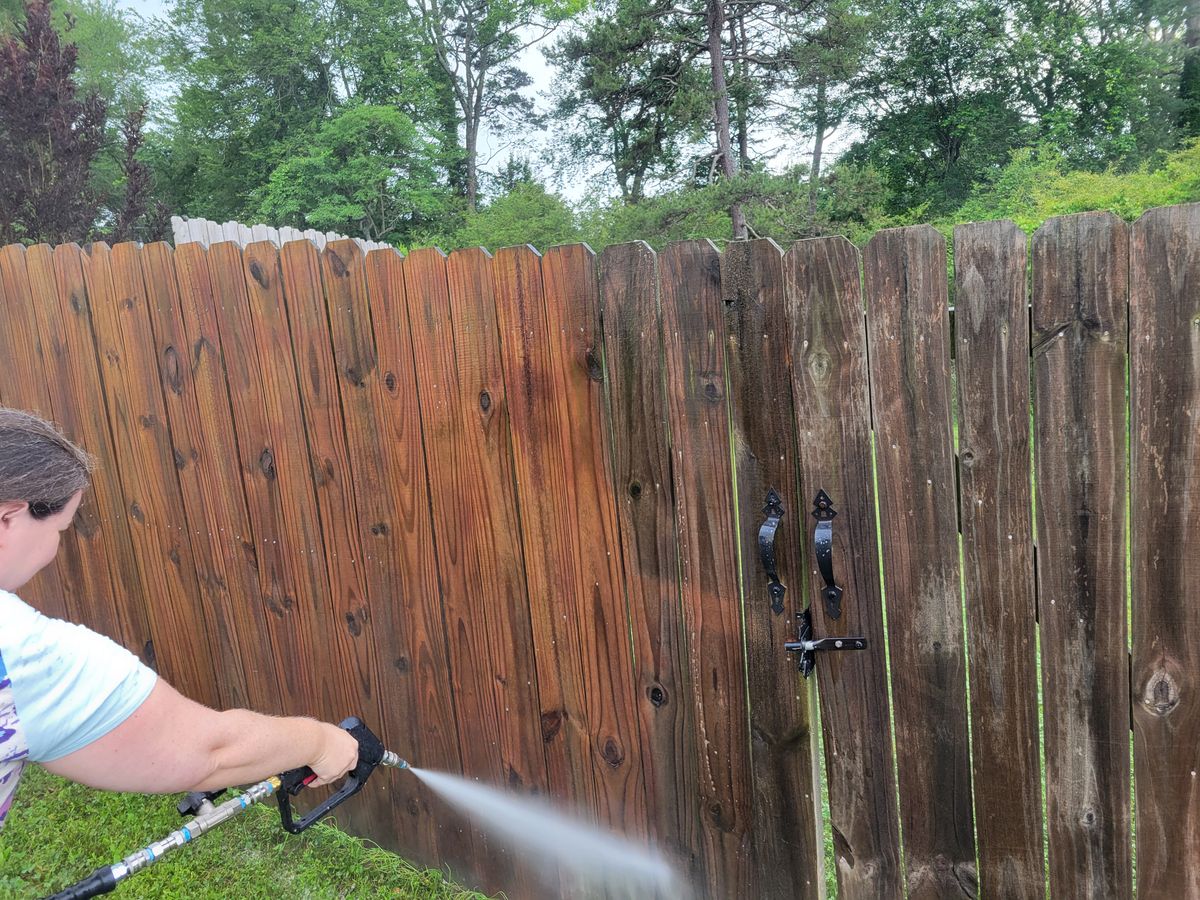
371	755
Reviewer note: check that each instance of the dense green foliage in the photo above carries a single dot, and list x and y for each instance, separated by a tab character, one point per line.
396	119
59	832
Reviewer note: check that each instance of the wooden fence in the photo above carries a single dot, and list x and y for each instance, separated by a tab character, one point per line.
507	509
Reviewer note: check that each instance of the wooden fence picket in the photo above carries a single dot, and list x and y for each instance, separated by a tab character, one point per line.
1164	334
377	384
693	335
909	343
195	394
646	517
992	364
265	441
351	640
19	343
1080	324
833	426
149	481
464	423
787	838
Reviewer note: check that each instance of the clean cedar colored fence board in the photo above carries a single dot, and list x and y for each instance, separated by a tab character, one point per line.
464	423
162	549
19	343
908	326
829	372
1164	339
1080	320
297	635
83	560
646	514
225	592
693	336
992	355
575	353
786	839
377	383
550	566
203	429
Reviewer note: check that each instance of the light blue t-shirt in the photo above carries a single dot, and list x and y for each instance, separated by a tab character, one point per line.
64	685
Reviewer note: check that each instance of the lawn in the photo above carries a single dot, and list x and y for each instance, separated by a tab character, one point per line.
59	832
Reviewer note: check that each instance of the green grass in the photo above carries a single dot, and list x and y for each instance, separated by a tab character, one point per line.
59	832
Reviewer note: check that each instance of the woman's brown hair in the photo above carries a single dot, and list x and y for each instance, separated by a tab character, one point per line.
38	465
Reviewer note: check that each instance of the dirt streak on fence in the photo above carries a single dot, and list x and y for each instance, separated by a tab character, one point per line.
508	508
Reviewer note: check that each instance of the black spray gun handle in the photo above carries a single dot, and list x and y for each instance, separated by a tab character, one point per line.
293	781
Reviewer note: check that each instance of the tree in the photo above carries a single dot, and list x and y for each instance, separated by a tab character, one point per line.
366	173
936	102
632	97
527	214
1189	77
476	44
50	135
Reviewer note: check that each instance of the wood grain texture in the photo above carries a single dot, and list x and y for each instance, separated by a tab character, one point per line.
87	412
995	508
197	407
153	503
1080	324
378	387
546	522
268	431
833	427
464	421
646	516
908	333
786	834
19	389
575	355
1164	339
350	642
693	333
83	560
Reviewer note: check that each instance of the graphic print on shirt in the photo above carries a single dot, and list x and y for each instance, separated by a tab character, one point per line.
13	749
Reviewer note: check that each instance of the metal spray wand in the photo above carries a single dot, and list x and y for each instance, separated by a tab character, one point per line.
371	755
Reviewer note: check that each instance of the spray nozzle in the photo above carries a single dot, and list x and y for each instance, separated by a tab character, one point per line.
371	754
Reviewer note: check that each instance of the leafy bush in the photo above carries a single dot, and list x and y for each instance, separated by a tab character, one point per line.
1036	185
527	214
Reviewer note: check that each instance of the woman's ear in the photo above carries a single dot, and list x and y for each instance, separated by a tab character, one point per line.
10	510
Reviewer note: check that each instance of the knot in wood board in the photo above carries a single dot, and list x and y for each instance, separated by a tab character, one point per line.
1161	694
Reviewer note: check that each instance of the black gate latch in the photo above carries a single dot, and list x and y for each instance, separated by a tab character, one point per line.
807	645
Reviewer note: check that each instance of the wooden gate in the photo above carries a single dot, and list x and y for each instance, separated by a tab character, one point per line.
509	510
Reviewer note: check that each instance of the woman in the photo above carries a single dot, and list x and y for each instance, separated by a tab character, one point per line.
86	708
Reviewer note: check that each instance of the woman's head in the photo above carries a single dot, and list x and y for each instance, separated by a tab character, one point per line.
42	476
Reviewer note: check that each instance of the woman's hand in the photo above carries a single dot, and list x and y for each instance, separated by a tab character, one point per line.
338	754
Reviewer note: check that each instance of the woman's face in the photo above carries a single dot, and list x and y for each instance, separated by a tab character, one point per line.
28	545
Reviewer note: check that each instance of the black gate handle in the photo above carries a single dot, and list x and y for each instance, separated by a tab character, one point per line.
766	549
824	512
